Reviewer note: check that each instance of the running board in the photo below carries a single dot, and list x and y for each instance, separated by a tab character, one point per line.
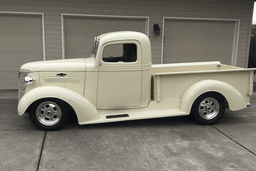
117	116
121	115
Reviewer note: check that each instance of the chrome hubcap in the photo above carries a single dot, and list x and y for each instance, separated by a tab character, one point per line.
48	113
209	108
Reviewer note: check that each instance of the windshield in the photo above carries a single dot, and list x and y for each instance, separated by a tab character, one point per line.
95	47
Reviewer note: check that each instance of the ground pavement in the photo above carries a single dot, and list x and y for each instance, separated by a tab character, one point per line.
157	144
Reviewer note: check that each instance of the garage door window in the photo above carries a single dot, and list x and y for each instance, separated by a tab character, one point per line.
120	53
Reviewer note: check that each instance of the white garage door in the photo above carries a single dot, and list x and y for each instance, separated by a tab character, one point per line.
20	42
80	32
196	41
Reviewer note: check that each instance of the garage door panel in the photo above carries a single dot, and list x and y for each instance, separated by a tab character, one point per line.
7	42
195	41
80	32
192	46
30	57
15	42
9	80
26	24
20	42
10	24
15	60
77	55
198	57
32	42
79	52
213	29
76	38
76	46
7	61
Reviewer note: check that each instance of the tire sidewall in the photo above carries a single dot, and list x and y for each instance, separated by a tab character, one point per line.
35	121
214	120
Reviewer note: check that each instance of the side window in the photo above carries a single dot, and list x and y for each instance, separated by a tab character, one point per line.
120	52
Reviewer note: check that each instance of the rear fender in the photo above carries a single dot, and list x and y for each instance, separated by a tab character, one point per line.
233	96
84	109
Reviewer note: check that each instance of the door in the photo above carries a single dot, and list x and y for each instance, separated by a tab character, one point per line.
198	41
80	32
120	81
20	42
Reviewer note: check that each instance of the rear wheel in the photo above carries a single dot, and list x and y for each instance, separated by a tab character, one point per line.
208	108
49	114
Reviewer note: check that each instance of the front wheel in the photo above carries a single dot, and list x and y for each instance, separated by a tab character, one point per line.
49	114
208	108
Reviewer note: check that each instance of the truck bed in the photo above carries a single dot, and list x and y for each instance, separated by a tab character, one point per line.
170	81
194	67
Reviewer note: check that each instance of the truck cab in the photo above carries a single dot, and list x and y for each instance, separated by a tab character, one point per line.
123	63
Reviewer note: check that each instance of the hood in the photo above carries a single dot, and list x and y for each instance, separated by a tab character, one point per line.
80	64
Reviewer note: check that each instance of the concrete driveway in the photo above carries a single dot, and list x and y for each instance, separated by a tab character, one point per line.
157	144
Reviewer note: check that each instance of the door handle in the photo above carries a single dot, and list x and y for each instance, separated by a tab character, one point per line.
61	74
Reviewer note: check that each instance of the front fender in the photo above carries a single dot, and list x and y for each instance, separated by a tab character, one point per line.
233	96
84	109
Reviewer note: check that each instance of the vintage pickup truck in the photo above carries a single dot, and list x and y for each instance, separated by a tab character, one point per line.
118	83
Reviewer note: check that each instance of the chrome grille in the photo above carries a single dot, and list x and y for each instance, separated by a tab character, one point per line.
22	74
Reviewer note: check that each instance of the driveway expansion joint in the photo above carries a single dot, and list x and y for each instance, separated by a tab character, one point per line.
234	140
41	152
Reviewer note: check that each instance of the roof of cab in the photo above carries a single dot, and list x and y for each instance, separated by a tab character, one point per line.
123	35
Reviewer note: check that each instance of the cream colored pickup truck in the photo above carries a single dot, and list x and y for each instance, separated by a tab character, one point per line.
118	83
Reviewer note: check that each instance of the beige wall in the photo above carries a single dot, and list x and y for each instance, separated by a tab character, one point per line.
155	9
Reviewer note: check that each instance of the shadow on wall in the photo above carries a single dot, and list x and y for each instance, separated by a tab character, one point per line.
252	53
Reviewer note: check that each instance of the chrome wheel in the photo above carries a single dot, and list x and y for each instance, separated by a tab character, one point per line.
209	108
48	113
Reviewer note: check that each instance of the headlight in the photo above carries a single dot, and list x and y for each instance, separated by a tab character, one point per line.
28	80
22	85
